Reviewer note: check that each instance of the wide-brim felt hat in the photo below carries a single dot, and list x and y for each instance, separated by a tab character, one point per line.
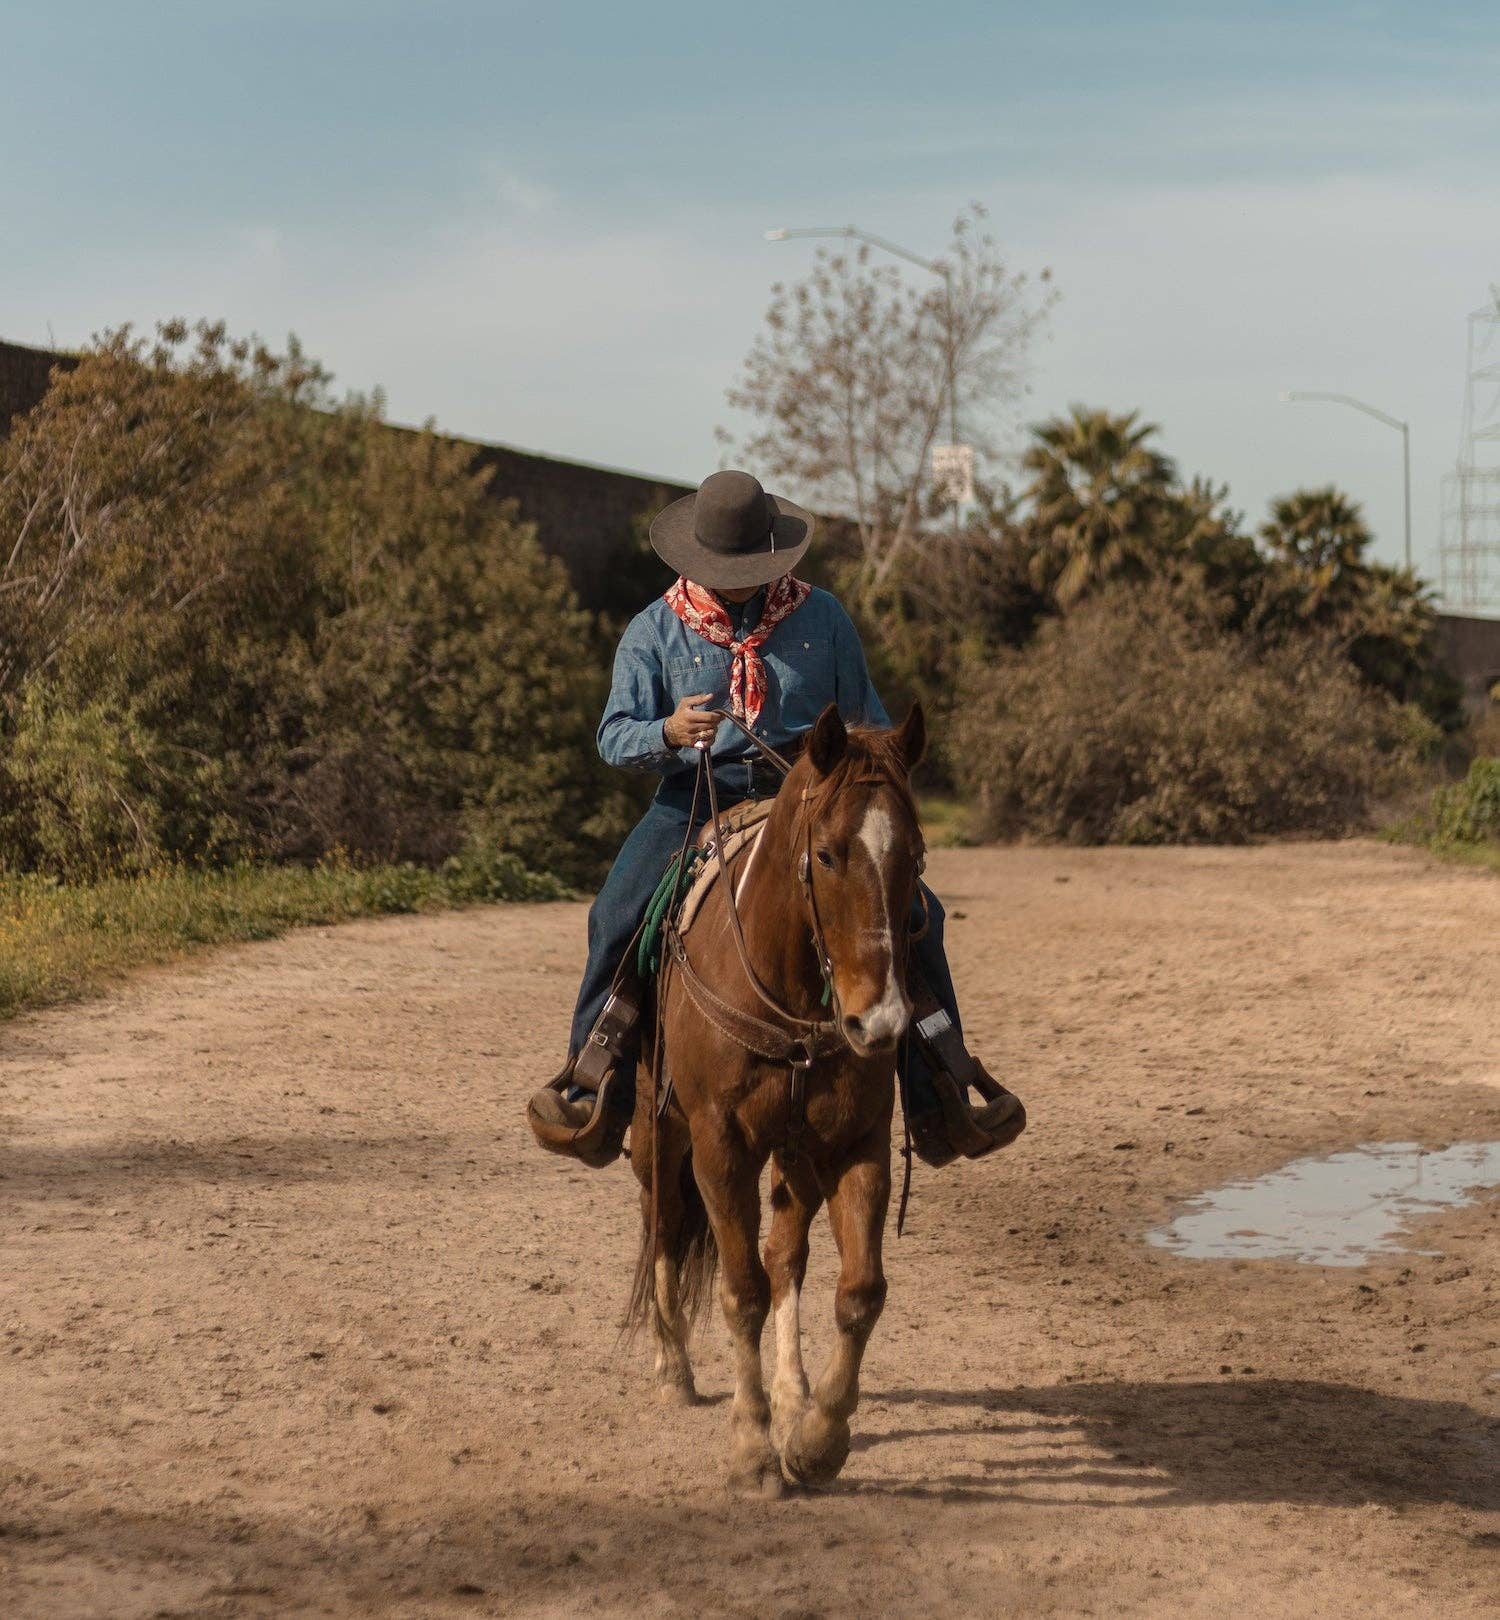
731	534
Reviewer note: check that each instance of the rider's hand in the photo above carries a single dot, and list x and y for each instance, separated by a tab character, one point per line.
687	724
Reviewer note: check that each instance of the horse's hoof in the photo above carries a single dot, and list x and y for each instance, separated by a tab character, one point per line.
672	1394
765	1483
816	1451
762	1478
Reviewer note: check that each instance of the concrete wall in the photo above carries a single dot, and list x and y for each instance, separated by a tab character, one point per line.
23	378
1472	650
584	515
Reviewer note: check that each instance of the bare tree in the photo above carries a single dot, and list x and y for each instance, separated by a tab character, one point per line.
849	382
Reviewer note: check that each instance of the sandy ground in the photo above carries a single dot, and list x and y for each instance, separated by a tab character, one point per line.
297	1320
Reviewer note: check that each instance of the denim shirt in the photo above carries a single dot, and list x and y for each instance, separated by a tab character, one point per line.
812	658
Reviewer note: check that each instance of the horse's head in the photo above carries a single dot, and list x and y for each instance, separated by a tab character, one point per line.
859	843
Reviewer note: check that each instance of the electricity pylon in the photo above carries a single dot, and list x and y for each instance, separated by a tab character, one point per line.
1469	546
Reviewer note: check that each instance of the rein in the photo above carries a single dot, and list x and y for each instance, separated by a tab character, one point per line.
808	1038
825	963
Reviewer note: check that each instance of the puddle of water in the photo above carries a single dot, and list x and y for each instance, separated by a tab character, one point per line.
1336	1211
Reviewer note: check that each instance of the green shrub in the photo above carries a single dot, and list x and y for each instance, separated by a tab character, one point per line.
237	627
83	785
1468	812
1484	729
1132	721
483	873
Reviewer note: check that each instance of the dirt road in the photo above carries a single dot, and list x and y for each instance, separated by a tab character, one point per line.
298	1322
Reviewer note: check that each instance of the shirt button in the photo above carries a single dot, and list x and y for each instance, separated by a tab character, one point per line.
697	660
807	646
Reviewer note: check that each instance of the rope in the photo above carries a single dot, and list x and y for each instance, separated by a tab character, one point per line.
780	761
648	955
819	1030
733	910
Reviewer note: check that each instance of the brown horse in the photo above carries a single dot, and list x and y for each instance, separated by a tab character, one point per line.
760	1068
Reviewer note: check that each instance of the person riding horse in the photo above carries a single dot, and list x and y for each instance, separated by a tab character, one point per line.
738	628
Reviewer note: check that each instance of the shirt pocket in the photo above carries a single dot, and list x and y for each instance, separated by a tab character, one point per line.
705	671
802	668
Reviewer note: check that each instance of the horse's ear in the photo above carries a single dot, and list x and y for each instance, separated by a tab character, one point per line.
828	741
911	740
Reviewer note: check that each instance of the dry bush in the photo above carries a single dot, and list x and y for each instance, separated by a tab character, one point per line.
1132	721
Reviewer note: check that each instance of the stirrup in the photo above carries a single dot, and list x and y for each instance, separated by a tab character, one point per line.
605	1068
954	1125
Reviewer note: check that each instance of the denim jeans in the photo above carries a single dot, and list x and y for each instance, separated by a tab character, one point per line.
622	900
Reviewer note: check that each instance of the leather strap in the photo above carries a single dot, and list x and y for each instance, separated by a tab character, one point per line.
796	1115
731	910
937	1036
757	1035
606	1042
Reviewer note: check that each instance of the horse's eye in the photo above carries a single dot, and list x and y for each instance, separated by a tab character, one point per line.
825	859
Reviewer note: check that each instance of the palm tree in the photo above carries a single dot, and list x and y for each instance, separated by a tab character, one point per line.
1390	630
1398	607
1200	542
1096	483
1320	537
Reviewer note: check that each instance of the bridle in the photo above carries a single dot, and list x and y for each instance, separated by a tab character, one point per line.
792	1040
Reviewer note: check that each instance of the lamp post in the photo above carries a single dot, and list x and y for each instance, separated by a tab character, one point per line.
783	233
1292	396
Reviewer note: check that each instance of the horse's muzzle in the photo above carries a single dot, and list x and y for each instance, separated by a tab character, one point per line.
875	1033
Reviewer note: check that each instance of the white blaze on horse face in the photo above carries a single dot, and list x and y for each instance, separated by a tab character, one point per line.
887	1017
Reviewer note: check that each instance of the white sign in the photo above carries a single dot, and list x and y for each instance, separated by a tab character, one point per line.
953	471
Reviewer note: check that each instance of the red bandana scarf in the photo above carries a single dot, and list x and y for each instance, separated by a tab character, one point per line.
702	611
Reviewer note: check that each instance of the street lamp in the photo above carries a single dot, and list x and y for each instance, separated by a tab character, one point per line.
783	233
1296	395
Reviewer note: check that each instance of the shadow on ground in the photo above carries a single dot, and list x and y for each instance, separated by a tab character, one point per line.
468	1550
1233	1440
123	1166
453	1556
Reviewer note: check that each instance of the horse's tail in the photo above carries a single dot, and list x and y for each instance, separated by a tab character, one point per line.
694	1251
698	1254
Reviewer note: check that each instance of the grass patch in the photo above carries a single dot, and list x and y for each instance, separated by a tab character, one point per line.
62	940
1462	820
1485	855
946	821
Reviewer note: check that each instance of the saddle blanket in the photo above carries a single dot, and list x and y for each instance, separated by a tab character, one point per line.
741	827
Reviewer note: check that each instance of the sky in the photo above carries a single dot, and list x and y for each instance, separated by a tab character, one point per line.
543	224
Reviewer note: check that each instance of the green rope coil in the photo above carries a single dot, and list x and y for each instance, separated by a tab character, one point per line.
648	952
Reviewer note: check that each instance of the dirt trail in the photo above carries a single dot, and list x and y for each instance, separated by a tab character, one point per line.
297	1321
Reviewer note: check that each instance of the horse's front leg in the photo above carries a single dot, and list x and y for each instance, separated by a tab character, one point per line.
795	1199
819	1444
730	1183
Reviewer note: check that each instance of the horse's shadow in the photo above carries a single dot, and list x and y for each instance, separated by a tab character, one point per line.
1166	1444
